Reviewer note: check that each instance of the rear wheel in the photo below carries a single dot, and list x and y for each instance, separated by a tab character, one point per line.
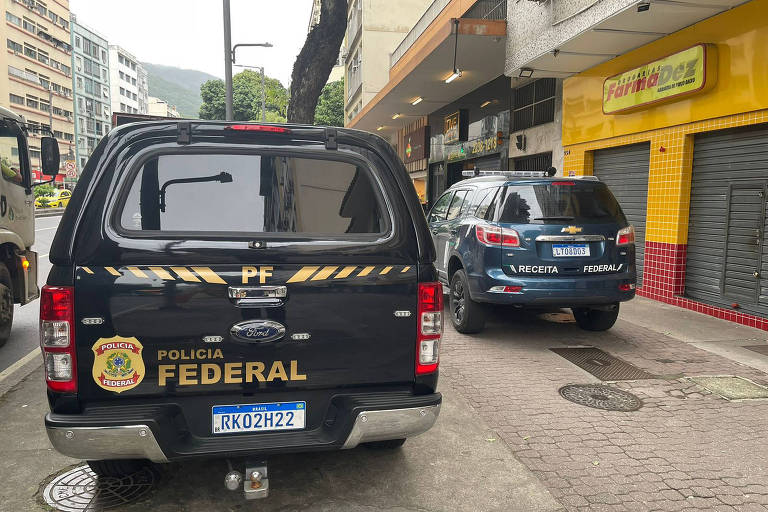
467	316
389	444
6	304
118	468
596	319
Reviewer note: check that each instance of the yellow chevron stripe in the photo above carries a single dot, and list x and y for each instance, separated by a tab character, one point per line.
406	269
162	273
302	275
87	270
365	271
138	272
345	272
325	273
185	274
209	275
385	271
112	271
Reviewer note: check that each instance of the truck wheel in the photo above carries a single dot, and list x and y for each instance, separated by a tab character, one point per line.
6	304
595	319
467	316
118	468
389	444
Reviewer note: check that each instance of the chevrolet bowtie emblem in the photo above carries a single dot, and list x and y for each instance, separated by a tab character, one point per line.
571	230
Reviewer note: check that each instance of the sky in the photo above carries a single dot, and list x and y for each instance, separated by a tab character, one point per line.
190	33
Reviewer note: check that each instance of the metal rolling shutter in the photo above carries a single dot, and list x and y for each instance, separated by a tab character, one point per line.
625	171
726	228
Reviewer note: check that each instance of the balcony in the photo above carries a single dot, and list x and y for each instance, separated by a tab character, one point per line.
354	80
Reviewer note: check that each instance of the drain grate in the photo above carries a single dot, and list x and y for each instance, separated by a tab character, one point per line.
601	364
79	490
599	396
760	349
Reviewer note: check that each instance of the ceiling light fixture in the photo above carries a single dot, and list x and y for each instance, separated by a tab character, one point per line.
525	73
417	101
456	71
396	116
643	6
380	128
485	103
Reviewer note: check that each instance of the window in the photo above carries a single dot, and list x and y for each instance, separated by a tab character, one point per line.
569	201
69	136
441	207
86	46
487	204
133	95
122	92
13	18
30	51
42	57
249	194
9	157
79	83
534	104
78	44
456	202
32	102
18	100
45	106
29	25
133	81
122	75
103	57
103	73
14	46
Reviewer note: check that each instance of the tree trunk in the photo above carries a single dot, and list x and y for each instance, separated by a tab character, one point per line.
314	63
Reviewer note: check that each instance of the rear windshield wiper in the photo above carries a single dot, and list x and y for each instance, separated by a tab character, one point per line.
554	217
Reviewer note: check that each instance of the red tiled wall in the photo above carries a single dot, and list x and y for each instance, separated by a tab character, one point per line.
664	280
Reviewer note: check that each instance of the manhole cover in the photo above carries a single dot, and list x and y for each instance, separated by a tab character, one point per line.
601	364
79	489
601	397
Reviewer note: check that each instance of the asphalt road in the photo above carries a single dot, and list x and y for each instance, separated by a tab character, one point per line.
24	335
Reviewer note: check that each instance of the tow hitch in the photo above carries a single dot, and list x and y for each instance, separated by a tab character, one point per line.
255	483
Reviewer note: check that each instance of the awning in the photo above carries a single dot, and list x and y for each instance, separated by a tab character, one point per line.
422	70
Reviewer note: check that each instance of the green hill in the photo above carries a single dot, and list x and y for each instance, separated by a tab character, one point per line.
180	87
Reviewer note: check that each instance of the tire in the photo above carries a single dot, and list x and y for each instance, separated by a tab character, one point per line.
6	304
467	316
390	444
118	468
595	319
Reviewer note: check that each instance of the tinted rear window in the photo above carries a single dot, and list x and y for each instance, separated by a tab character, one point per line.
238	193
551	203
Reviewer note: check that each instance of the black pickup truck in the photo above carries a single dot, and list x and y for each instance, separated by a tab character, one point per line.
226	290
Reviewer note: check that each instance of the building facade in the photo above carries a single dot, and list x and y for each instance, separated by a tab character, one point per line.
158	107
128	82
679	129
92	104
37	74
374	30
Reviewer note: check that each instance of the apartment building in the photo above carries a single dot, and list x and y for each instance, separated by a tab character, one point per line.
128	82
374	29
158	107
36	76
93	109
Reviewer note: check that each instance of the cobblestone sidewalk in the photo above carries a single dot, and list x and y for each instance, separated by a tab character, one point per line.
685	449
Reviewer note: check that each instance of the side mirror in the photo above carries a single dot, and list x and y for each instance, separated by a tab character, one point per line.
49	156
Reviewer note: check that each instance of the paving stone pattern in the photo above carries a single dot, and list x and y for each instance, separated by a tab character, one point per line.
685	449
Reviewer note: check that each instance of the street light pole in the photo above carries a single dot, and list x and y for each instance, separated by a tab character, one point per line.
263	89
228	60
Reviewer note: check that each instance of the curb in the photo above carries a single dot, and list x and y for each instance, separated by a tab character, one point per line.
10	377
52	212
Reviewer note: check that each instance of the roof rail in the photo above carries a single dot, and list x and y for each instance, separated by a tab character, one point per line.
512	174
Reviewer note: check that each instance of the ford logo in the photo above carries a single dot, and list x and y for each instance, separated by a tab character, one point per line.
257	331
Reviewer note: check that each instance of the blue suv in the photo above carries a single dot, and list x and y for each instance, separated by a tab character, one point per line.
528	239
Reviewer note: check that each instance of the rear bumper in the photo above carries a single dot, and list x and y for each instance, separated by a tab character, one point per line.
151	433
552	290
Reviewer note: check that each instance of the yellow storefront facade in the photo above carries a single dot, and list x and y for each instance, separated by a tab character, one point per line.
702	149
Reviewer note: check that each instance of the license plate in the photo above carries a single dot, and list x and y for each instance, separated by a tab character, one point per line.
567	250
267	417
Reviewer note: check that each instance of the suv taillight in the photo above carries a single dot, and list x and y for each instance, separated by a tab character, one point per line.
495	235
625	236
57	334
430	327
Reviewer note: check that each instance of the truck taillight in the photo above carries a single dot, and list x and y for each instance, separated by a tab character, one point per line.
430	327
57	330
625	236
495	235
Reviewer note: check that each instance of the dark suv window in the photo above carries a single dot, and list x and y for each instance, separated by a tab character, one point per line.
487	204
239	193
553	202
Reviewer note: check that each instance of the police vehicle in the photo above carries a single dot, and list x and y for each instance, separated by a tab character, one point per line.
239	290
526	238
